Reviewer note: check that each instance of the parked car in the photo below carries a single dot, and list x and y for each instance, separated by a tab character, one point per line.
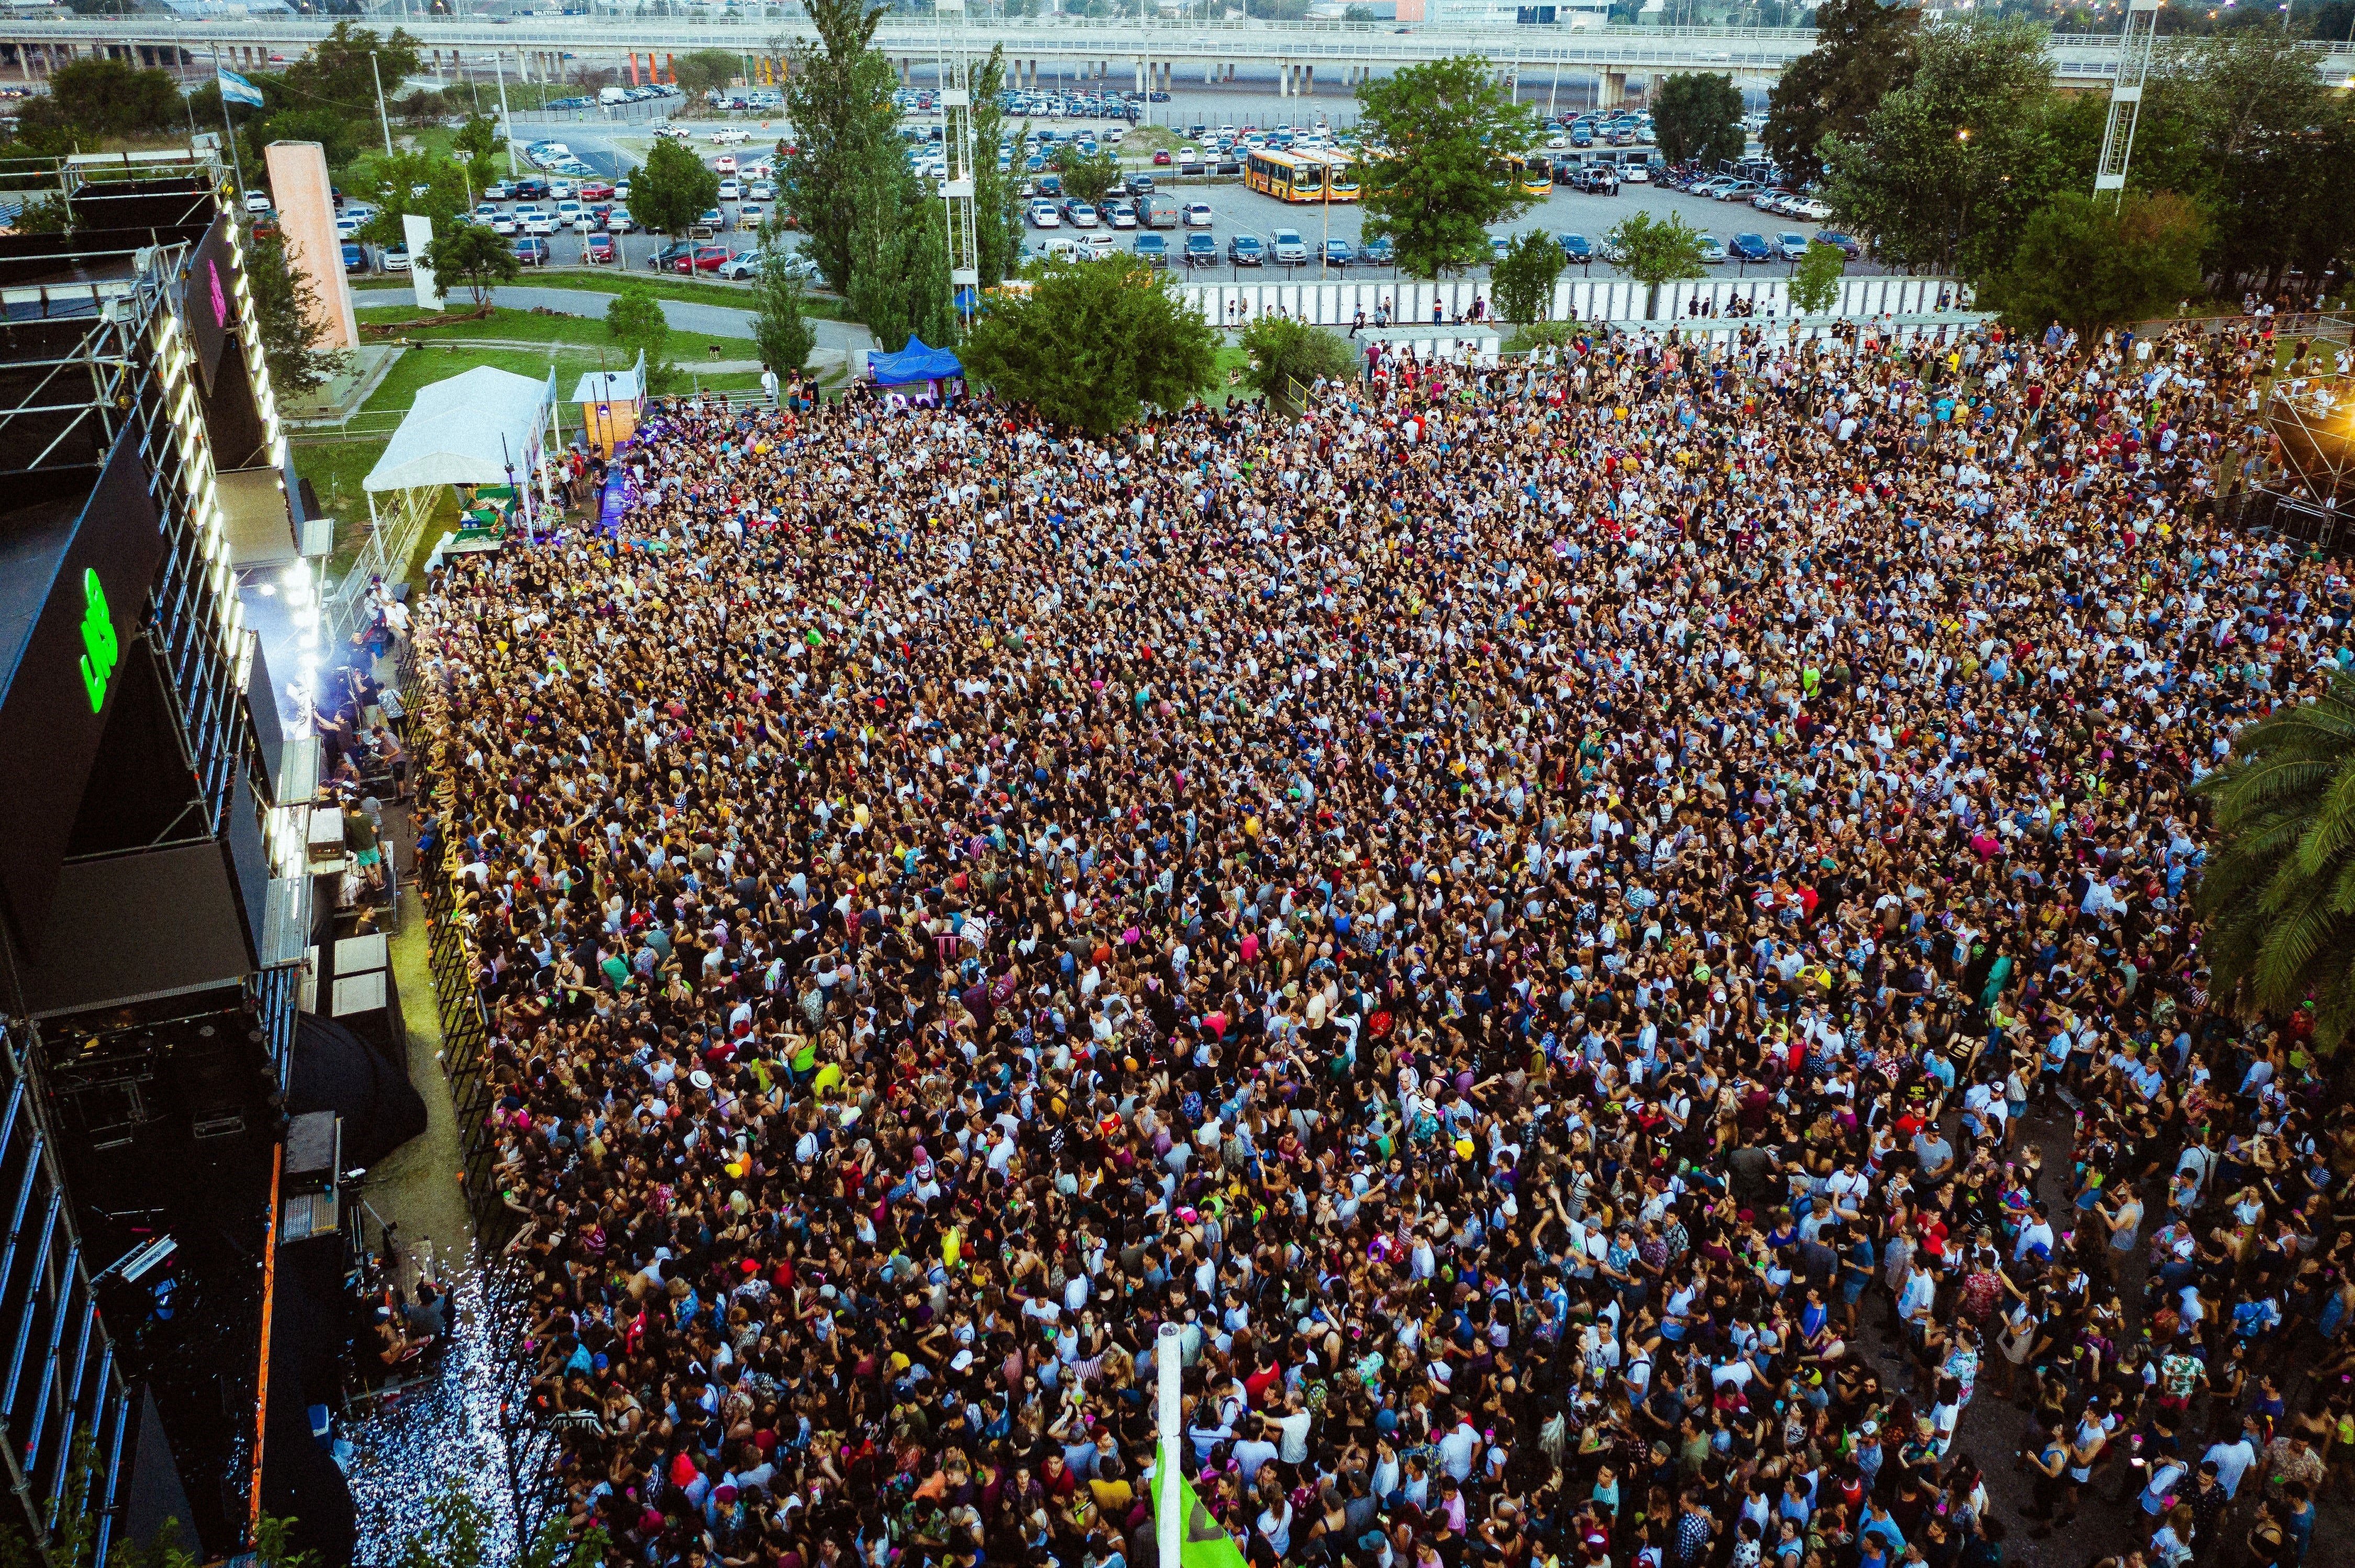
707	258
1122	215
1378	251
355	257
1751	248
1713	250
665	259
1576	248
1197	215
1079	215
1498	248
601	249
1849	245
394	258
531	250
1290	249
1201	251
1792	246
1340	253
1044	215
504	224
1151	248
743	265
1245	250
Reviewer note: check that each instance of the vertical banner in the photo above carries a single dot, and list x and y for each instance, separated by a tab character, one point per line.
418	233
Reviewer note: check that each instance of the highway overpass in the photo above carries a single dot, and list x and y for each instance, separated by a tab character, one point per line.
1128	53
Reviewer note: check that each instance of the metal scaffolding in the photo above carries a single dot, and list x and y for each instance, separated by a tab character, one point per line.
959	154
2135	42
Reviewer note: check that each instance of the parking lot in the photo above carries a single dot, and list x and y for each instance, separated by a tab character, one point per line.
1235	210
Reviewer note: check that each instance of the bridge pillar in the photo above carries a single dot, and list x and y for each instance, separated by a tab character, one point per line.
1611	88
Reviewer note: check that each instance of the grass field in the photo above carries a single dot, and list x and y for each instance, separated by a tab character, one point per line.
585	332
606	280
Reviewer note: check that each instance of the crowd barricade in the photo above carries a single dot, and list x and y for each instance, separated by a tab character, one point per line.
1410	302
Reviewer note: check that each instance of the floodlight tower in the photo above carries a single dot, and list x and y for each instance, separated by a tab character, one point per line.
959	154
2136	41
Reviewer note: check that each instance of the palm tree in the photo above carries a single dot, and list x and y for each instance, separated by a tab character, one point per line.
2277	893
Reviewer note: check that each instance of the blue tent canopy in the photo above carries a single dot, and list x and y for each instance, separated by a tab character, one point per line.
917	361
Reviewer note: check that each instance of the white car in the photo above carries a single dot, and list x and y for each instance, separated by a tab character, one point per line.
1083	216
562	190
542	223
619	221
724	165
504	223
1289	249
1122	215
395	258
748	216
730	190
569	214
1097	247
761	190
728	138
257	201
620	190
484	212
1636	173
1197	215
1043	216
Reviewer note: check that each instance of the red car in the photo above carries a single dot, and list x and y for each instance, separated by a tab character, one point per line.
707	258
601	247
596	190
1161	159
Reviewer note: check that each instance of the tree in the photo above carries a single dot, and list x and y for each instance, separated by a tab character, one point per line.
1864	50
2280	925
1816	282
996	198
1949	166
554	1548
475	146
2095	261
779	324
1697	115
2266	155
1438	183
1283	358
1523	281
898	259
426	184
672	189
457	1534
293	323
1086	176
702	71
1655	250
337	134
838	97
1092	344
470	257
110	97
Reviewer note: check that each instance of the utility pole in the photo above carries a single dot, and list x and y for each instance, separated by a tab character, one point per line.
384	123
2136	40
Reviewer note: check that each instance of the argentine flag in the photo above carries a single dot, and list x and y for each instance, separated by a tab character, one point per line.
235	88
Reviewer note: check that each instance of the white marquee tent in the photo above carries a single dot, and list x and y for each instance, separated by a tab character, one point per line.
481	426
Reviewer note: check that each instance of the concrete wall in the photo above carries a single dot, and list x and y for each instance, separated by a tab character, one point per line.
306	215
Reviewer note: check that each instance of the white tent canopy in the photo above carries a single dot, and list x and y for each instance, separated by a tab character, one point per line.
481	426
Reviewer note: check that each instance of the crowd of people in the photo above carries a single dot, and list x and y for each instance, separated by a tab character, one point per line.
1608	938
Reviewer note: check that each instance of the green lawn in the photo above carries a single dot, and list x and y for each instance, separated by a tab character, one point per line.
586	332
606	280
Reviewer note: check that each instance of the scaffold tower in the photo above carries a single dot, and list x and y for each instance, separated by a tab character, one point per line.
958	151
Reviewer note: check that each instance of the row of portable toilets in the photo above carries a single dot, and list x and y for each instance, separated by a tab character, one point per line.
1413	304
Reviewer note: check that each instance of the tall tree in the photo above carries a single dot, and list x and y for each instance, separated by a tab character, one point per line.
1949	167
1697	115
2277	143
634	319
898	259
780	325
425	184
1523	281
1283	358
1656	250
996	199
2095	261
1086	176
1864	50
287	312
672	189
1092	344
700	70
112	98
838	97
2280	920
1815	281
1436	182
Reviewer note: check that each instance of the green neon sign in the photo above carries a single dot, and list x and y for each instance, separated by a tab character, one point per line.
99	649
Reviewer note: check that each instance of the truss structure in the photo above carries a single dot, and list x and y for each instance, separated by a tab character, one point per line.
2135	45
2312	420
958	150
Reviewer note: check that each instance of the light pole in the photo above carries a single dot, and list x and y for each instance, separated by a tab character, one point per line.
384	123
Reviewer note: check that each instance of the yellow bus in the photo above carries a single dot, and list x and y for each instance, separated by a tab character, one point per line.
1341	174
1533	175
1286	176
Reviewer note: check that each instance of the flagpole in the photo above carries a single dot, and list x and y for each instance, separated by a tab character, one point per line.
236	161
1168	1519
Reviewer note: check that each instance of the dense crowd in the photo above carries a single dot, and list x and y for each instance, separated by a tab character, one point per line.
1608	937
